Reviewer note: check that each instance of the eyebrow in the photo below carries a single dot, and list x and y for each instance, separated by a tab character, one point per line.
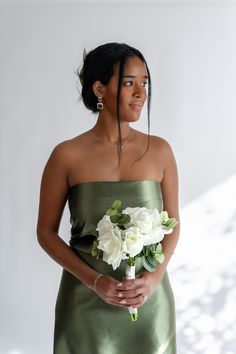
133	76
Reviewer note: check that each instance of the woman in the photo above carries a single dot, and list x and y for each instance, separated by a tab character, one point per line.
110	161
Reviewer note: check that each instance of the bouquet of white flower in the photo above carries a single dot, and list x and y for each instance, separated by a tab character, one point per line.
130	234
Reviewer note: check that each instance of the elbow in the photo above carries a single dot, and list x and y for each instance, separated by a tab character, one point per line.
46	237
42	237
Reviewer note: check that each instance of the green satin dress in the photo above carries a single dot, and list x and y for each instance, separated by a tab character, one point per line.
84	323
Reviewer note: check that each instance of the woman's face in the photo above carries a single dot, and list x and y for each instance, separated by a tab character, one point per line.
133	91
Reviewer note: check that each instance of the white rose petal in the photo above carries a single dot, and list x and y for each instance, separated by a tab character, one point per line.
148	222
105	224
154	236
133	241
111	243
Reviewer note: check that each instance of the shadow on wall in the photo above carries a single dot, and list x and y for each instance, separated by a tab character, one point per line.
203	273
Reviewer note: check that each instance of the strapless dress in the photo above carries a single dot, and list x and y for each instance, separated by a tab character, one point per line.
84	323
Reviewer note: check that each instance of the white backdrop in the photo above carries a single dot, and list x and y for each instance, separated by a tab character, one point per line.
191	52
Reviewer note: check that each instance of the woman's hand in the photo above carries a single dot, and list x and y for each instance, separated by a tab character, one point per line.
128	293
106	288
135	292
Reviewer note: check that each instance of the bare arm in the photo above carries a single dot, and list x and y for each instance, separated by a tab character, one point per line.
146	281
53	197
169	186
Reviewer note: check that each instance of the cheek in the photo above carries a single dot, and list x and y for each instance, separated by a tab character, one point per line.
110	102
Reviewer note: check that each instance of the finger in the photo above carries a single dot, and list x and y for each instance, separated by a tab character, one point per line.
139	304
129	284
133	301
117	303
126	285
128	294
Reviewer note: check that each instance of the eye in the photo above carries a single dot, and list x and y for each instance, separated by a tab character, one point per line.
128	83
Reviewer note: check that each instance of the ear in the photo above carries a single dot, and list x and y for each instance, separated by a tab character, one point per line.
98	88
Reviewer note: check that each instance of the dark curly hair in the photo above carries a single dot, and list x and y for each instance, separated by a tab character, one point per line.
98	64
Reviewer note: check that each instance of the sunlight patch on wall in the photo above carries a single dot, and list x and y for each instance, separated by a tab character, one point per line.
203	273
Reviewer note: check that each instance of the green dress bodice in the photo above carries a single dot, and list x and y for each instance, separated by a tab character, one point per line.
84	323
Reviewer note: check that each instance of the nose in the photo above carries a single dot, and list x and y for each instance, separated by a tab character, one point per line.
139	92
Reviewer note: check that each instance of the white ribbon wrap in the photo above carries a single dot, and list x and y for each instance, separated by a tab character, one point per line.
130	274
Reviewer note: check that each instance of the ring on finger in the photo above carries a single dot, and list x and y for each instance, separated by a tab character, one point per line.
144	298
135	286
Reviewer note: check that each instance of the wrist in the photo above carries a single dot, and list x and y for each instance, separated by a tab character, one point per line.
158	274
94	284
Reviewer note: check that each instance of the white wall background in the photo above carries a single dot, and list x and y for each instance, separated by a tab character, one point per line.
191	52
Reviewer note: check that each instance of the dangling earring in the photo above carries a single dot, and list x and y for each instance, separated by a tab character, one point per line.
99	103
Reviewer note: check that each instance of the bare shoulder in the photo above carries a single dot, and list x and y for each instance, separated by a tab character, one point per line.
66	150
158	144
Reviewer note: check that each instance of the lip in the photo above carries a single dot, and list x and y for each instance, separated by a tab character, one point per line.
136	106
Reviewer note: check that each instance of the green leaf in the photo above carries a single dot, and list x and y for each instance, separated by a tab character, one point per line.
123	219
159	247
161	257
164	216
95	250
146	250
116	204
149	264
156	253
170	223
111	211
114	218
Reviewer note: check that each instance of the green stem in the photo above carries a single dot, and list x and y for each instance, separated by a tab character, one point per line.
134	317
131	261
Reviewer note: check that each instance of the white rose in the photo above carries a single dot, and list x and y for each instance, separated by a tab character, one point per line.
148	222
111	243
133	241
154	236
105	225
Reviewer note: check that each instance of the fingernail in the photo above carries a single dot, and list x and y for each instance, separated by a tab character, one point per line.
119	284
120	295
123	302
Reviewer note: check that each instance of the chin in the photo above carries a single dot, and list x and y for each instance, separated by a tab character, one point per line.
131	117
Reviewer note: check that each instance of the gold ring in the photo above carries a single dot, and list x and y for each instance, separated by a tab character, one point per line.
135	286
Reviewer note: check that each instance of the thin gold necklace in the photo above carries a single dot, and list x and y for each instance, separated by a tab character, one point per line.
122	145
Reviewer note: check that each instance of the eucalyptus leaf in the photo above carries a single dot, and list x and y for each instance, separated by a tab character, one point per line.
164	216
173	223
170	223
146	250
111	211
159	247
116	204
114	218
161	257
95	250
149	264
123	219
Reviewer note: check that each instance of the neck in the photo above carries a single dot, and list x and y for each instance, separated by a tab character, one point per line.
107	129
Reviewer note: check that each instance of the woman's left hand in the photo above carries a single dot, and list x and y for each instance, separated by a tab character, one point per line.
135	292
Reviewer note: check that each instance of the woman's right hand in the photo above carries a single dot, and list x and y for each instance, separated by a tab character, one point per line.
107	289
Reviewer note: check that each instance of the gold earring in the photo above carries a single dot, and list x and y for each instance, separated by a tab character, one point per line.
99	103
